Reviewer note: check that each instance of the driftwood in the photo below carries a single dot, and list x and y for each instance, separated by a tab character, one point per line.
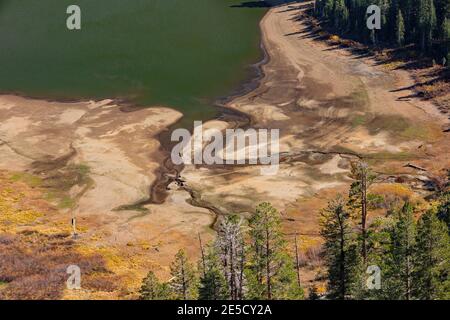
410	165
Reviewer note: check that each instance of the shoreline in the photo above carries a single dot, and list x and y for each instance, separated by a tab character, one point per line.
225	113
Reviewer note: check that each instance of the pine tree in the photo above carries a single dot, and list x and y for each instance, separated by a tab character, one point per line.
445	46
353	7
442	22
378	240
272	273
432	259
427	23
400	29
152	289
444	210
213	285
285	285
319	8
410	12
340	250
328	8
340	15
383	33
183	282
398	259
358	199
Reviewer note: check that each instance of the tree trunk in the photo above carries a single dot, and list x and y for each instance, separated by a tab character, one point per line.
241	275
269	278
342	259
183	277
203	254
408	268
232	280
297	260
364	214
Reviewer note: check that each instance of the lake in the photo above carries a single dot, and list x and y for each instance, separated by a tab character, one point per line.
176	53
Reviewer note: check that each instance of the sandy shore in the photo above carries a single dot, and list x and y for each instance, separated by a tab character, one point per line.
328	104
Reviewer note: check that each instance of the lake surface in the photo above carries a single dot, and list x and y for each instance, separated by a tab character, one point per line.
177	53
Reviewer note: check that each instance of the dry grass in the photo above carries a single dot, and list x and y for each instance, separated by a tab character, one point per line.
34	266
394	195
36	248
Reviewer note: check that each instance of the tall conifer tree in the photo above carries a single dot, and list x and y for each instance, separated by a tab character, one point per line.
432	259
213	285
272	270
153	289
398	262
183	282
340	250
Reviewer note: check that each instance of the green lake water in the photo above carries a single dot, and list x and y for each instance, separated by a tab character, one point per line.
177	53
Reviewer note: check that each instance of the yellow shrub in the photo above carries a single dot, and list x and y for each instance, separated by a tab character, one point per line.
335	38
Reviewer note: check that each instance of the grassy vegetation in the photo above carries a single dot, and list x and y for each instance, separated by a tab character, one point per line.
132	207
380	158
360	97
67	177
66	202
421	132
60	182
357	100
29	179
359	120
398	126
391	123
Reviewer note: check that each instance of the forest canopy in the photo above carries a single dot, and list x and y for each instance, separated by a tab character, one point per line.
423	23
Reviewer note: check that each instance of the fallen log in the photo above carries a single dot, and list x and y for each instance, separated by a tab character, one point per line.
410	165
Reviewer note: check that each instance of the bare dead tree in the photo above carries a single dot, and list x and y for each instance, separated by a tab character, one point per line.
203	254
231	250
